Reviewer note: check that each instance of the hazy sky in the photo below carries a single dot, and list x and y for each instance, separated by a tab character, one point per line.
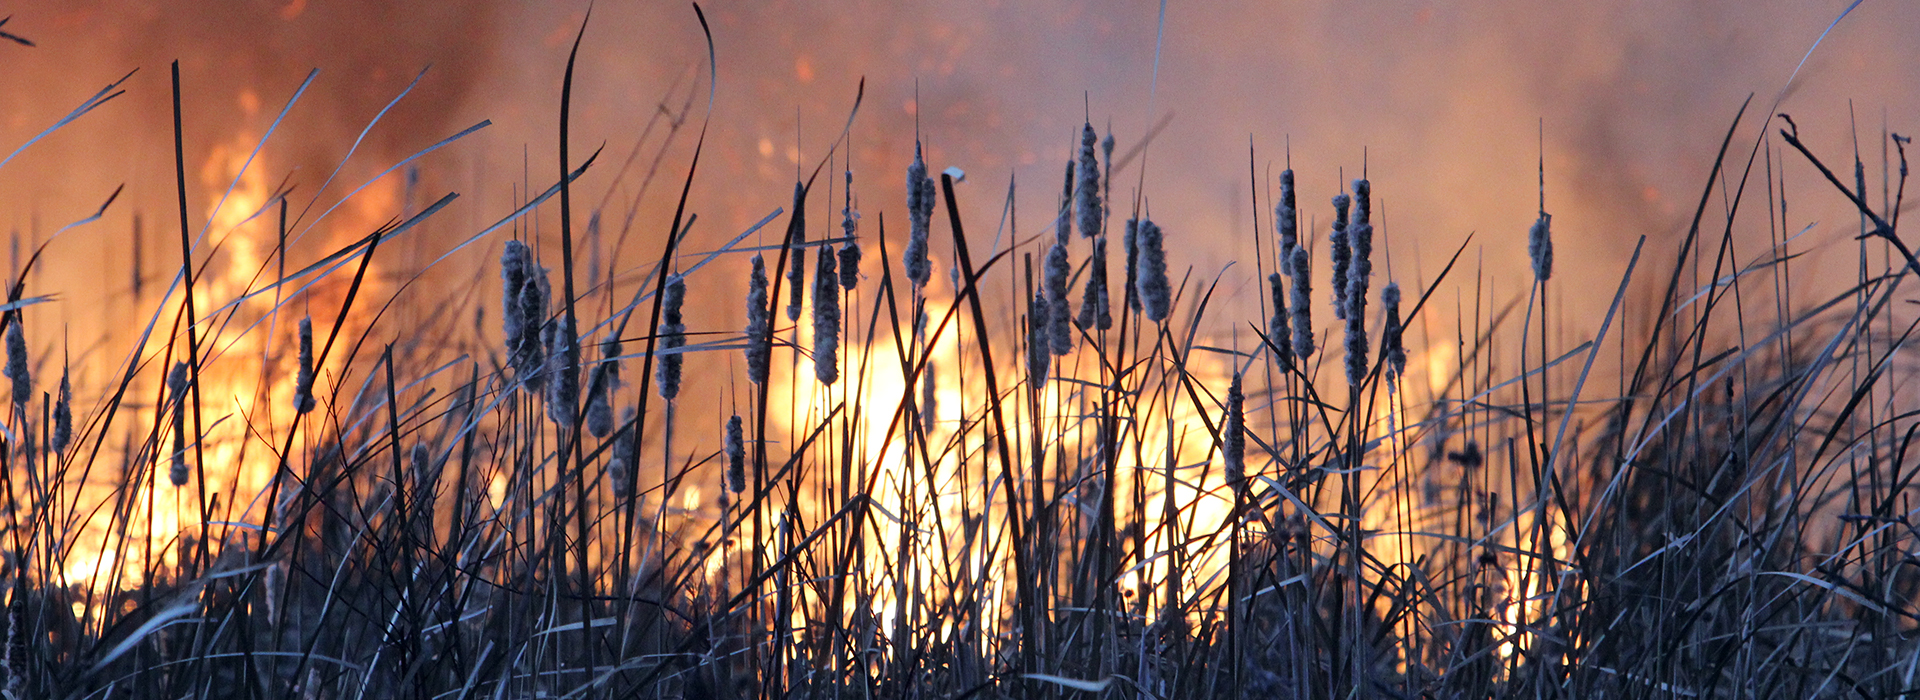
1446	100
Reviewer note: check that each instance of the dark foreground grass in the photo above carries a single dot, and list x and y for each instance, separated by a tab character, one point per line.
1060	475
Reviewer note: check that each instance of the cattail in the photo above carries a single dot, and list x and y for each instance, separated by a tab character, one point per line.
736	447
673	336
600	404
621	463
929	398
1391	335
515	261
1131	239
529	358
797	265
17	363
1302	305
1156	293
1094	313
63	414
1286	220
1063	221
1060	316
850	251
1039	348
759	329
303	381
826	320
1234	438
1277	327
919	218
177	390
1342	254
1539	247
1087	200
563	386
1359	274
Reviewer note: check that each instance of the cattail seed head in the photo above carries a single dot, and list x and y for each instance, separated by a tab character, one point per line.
759	328
563	382
1094	313
17	363
515	262
1131	239
63	414
303	381
1278	331
1063	221
736	448
850	265
1302	305
826	319
1156	292
1060	315
1286	220
1234	438
529	356
1087	205
620	465
600	404
1360	244
797	264
919	218
1039	347
177	391
1540	247
1342	254
1391	336
929	398
673	336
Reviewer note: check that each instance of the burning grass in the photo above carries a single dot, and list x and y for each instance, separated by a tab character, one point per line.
958	485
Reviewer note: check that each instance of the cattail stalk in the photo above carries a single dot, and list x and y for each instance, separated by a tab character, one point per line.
826	319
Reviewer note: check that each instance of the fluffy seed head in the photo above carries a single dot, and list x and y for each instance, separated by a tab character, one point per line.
17	363
1302	305
600	404
620	465
1060	315
1234	439
736	447
929	398
529	357
1131	240
759	329
303	381
826	319
1087	204
919	218
63	414
1094	313
1286	220
797	265
1156	292
563	382
1039	354
1391	336
177	390
1540	247
515	261
1277	325
673	335
1342	254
